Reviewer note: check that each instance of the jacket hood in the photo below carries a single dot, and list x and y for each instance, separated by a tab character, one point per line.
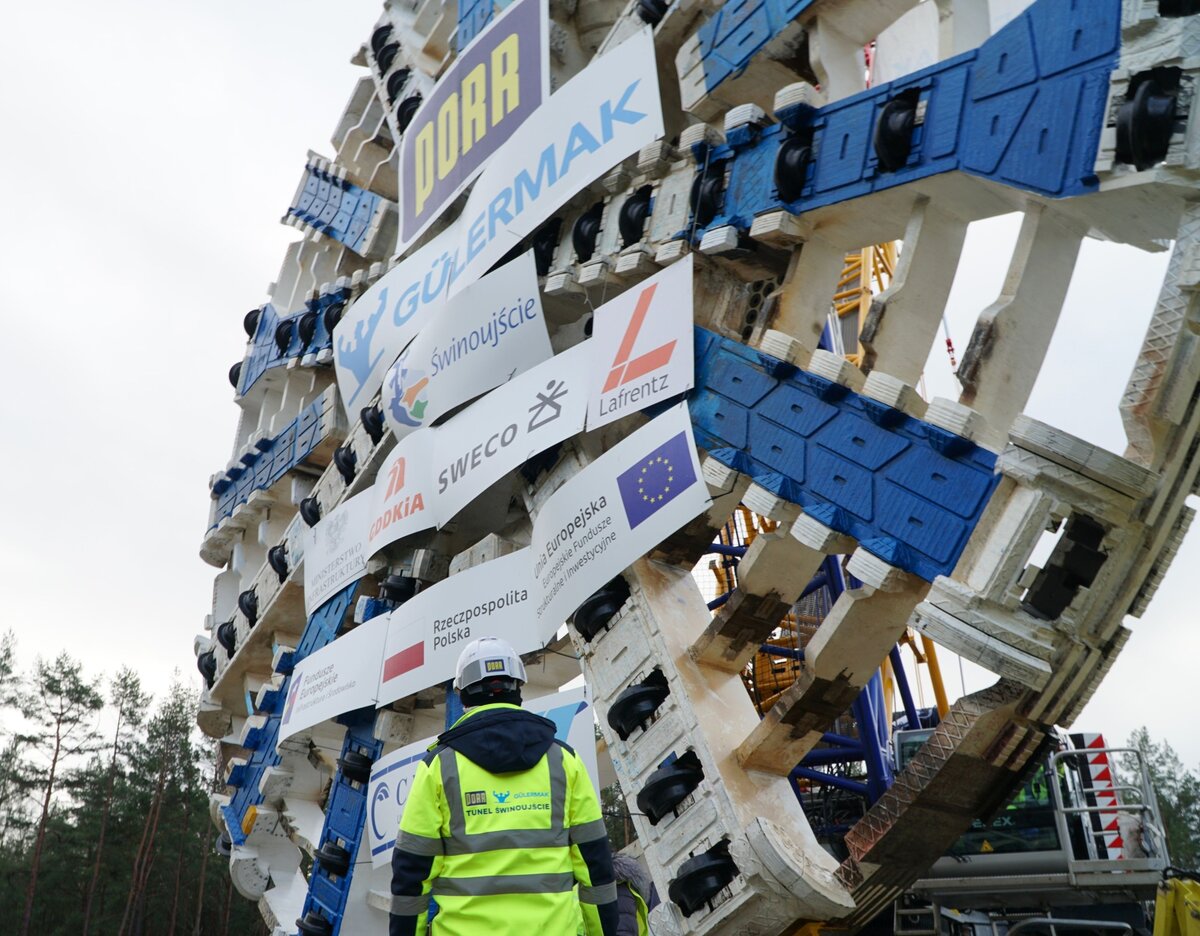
501	740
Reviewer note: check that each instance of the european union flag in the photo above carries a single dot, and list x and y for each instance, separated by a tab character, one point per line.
657	479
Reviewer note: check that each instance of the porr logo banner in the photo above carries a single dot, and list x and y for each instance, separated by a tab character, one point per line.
489	91
642	344
489	333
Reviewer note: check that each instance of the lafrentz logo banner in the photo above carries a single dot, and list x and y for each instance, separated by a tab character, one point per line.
490	332
335	552
387	316
338	678
608	111
613	512
400	497
642	346
391	775
501	78
507	427
428	632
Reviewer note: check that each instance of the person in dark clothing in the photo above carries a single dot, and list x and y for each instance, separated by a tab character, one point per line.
502	827
636	896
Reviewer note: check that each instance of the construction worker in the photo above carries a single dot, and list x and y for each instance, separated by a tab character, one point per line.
636	896
502	827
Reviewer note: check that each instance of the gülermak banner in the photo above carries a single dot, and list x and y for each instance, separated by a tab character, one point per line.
613	512
490	332
558	153
642	346
501	78
385	318
427	633
608	111
338	678
335	552
392	774
507	427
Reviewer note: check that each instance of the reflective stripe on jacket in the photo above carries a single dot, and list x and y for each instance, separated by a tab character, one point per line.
502	852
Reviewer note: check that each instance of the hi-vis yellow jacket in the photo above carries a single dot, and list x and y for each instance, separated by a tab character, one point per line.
502	828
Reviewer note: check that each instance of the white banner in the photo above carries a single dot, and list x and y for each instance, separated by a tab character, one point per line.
377	326
613	512
338	678
490	332
391	776
642	346
607	112
400	496
335	552
493	436
427	633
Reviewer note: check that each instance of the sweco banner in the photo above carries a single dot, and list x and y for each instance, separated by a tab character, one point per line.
608	111
506	428
490	332
338	678
391	775
525	182
642	346
335	551
501	78
426	634
401	501
613	512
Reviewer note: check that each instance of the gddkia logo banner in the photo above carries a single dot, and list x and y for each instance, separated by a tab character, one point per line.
400	497
491	332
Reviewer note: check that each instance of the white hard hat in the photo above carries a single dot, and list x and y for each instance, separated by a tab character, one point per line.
487	656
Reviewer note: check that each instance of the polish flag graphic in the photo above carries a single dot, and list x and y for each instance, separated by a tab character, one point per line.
405	661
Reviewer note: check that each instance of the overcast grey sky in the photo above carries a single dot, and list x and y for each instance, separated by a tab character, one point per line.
149	151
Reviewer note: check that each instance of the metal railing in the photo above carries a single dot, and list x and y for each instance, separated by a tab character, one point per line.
1136	799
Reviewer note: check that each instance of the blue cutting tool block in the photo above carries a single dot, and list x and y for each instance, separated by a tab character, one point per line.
1026	109
909	492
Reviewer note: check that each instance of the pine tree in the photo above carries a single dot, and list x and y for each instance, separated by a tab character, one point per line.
130	702
61	706
172	758
1178	792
